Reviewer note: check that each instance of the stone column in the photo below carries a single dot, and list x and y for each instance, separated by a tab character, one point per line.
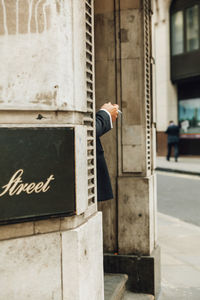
47	80
136	175
105	66
126	38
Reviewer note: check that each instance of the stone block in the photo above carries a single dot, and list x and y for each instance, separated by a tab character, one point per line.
133	130
144	274
16	230
83	261
131	22
104	37
130	4
132	135
47	35
103	6
132	91
135	216
108	209
130	296
105	86
114	286
71	222
45	226
30	268
133	160
79	54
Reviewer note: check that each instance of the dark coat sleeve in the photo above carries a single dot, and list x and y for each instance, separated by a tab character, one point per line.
102	123
104	188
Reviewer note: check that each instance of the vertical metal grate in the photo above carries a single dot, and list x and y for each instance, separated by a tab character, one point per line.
147	73
90	115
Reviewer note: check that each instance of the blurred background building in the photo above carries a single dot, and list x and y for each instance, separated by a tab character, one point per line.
176	47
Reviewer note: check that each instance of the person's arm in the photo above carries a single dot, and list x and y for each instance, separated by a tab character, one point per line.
104	118
111	124
102	123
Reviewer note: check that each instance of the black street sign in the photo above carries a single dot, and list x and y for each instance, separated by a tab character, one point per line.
37	173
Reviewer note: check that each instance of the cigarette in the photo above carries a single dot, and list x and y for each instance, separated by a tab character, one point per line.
119	111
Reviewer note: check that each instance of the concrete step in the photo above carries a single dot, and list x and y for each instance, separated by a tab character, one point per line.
114	286
132	296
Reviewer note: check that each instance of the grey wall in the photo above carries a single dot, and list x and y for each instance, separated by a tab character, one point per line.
123	75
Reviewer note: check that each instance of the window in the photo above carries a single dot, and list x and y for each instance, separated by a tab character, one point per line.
185	26
177	33
192	28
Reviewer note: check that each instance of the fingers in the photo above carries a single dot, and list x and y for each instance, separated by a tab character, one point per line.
112	109
114	112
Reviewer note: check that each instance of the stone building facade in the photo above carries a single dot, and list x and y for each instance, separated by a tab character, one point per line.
47	80
176	27
124	76
49	53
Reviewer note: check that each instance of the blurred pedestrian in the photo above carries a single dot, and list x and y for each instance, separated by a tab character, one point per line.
104	122
172	140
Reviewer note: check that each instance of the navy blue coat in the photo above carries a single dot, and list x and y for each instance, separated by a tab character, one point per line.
104	188
173	134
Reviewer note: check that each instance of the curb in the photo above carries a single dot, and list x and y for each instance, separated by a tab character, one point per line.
177	171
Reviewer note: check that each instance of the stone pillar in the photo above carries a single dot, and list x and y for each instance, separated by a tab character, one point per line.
47	81
105	66
125	40
136	175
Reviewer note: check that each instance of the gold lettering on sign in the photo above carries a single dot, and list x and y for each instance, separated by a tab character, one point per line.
15	186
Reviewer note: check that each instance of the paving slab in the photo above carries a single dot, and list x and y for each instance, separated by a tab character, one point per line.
180	294
180	259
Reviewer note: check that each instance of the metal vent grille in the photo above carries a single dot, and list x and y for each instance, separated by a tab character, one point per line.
148	83
90	115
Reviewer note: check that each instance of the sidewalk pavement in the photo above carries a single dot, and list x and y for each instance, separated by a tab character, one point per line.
185	165
180	259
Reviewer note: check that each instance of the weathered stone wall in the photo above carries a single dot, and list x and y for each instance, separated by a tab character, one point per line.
123	75
42	57
55	259
105	65
44	70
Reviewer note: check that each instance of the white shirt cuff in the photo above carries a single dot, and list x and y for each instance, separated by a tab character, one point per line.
111	124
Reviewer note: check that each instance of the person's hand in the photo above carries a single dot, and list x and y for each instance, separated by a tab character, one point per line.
112	109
